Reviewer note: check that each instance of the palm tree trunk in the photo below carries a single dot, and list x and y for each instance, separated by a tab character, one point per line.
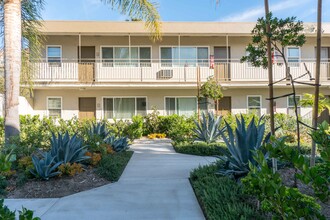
12	54
317	76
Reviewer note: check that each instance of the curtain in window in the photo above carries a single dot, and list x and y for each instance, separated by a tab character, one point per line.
108	108
170	106
124	108
186	106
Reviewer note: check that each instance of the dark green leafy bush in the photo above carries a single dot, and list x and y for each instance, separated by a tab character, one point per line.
199	148
221	197
178	128
6	214
135	129
112	166
281	201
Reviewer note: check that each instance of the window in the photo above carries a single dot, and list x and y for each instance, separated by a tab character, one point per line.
54	54
254	104
291	110
182	106
124	108
54	106
125	56
184	56
293	56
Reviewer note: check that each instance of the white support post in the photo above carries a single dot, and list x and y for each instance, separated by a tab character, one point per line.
179	43
129	48
227	48
79	46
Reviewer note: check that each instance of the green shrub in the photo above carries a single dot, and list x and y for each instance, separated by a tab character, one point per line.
152	121
178	128
6	214
119	127
199	148
3	186
221	197
281	201
135	129
112	166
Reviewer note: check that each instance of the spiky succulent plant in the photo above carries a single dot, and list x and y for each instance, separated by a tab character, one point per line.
207	130
242	145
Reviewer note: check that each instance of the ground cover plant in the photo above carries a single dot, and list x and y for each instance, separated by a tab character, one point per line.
199	148
221	197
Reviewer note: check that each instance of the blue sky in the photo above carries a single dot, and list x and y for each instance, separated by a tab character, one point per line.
189	10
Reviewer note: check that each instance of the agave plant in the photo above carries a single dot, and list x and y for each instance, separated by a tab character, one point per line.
98	129
207	130
118	144
44	166
242	145
67	149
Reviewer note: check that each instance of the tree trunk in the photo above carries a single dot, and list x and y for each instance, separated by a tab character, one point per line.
12	59
317	75
270	79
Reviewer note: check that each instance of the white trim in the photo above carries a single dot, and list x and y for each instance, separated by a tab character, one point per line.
58	97
114	46
60	46
176	97
113	97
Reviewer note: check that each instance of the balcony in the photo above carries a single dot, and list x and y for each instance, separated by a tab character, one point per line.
156	71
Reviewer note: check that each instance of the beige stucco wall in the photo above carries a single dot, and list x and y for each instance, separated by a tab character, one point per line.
237	44
155	97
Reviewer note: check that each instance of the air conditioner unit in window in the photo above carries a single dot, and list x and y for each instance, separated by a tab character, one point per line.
165	74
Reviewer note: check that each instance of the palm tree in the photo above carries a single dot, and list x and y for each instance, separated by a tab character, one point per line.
25	13
12	57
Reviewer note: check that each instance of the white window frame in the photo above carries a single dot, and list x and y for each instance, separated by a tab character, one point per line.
172	46
176	97
287	57
288	104
61	52
58	97
114	59
247	102
114	97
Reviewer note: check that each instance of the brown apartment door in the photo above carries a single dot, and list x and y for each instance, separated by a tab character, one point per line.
86	66
87	108
224	106
221	59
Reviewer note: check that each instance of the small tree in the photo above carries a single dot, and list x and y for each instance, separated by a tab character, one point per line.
309	99
211	89
282	33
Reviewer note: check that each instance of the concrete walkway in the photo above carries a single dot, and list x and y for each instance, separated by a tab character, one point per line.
153	186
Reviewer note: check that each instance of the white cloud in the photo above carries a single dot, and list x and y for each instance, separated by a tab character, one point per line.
252	14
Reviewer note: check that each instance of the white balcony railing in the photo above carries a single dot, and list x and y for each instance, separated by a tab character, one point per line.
158	71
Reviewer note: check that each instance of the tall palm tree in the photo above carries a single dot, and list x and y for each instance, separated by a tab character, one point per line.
24	13
12	57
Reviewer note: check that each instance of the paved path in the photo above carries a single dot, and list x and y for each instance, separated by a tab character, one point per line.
153	186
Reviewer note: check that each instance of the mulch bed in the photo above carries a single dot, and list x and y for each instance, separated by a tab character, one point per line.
56	187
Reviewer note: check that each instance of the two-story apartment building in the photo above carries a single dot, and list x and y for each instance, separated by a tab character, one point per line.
114	70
